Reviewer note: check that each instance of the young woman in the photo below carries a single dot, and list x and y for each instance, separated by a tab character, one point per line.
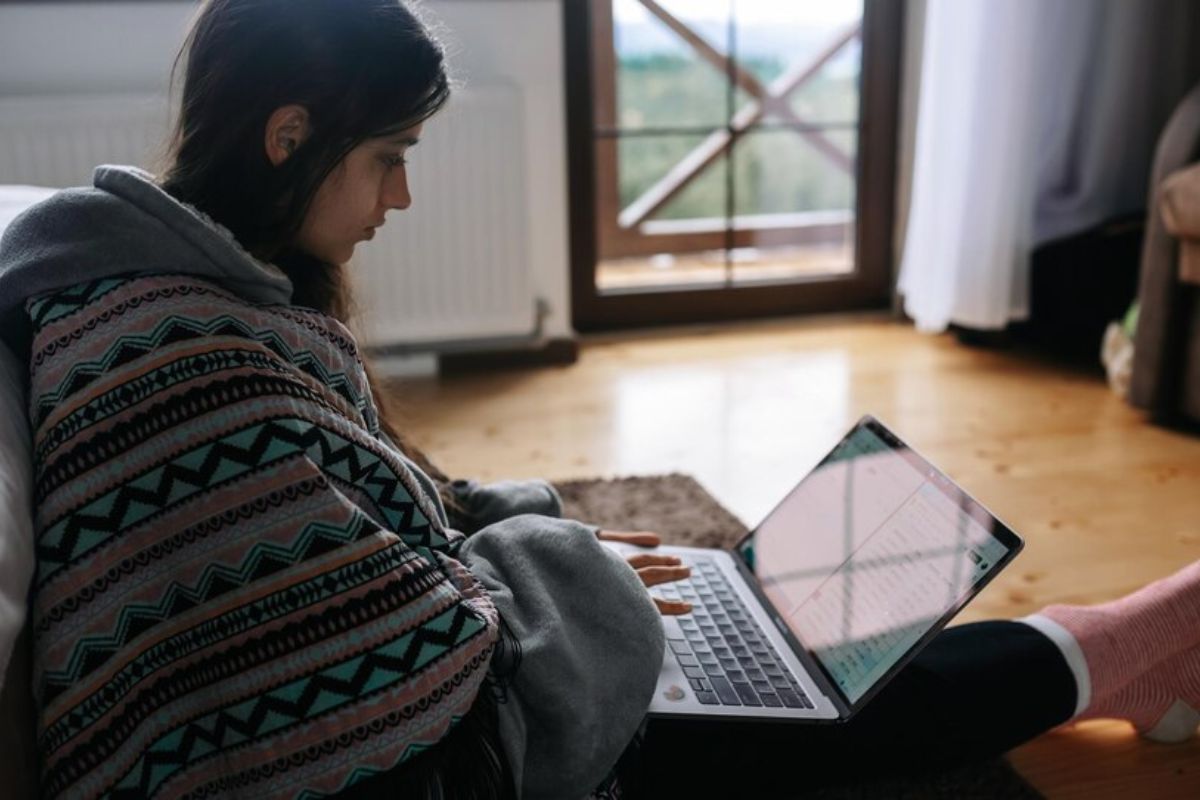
247	585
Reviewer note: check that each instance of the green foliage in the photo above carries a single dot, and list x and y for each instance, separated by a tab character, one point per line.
775	171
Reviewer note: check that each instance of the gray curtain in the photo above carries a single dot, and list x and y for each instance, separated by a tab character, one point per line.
1113	78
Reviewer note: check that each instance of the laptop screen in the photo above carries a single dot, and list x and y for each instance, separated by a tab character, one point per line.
869	553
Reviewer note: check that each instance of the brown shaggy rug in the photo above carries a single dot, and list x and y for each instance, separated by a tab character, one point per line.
679	509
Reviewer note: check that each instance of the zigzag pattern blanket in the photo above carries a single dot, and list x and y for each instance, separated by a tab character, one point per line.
241	589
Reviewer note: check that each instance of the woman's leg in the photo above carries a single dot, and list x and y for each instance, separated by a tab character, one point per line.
976	691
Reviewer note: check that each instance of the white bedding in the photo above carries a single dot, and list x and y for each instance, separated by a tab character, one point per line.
16	469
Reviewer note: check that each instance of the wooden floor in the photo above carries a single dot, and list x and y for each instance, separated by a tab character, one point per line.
1105	501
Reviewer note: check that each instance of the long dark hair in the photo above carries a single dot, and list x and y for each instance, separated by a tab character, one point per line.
362	69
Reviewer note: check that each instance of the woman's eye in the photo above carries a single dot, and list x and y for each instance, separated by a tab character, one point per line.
394	160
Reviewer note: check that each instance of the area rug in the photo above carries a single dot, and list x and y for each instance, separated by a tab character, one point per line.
682	512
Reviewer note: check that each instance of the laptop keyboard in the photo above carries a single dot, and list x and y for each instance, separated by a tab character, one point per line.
724	654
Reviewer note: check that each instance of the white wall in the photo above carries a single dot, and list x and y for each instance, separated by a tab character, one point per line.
73	48
521	41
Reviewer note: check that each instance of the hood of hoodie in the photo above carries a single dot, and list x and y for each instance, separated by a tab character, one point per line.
123	223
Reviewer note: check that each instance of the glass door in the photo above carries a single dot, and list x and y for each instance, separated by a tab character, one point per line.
721	151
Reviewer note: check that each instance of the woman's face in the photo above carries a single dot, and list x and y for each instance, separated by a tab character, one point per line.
352	202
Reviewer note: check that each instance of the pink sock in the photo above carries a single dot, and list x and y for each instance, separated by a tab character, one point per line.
1162	703
1124	638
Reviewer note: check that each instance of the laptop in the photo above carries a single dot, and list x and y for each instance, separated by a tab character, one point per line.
843	583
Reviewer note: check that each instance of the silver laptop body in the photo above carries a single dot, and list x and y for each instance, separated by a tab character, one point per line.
842	584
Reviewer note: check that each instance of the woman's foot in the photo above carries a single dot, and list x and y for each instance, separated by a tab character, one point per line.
1163	703
1128	637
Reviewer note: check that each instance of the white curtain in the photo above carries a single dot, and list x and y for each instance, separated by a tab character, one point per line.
1036	119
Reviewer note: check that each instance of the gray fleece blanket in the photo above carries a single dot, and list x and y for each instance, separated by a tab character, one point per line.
591	649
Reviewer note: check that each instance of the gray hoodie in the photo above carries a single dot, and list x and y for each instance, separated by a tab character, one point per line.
591	639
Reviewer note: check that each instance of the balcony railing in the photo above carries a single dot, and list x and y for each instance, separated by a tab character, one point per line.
631	229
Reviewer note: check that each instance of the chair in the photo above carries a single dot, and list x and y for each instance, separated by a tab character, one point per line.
18	747
1166	361
18	764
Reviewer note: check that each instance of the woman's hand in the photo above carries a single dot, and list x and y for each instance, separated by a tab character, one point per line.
652	569
655	569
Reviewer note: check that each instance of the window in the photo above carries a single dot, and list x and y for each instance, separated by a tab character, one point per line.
716	165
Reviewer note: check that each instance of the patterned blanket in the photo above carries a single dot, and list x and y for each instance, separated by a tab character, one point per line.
241	589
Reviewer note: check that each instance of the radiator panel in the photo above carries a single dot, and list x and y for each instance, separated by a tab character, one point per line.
456	265
453	269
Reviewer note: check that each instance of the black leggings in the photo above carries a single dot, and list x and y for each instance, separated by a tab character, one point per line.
976	691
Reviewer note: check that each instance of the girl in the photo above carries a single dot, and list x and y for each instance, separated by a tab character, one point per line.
248	585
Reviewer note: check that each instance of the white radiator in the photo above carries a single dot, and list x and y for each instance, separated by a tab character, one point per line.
456	265
452	270
57	140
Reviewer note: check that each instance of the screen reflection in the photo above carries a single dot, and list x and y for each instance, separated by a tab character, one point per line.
867	554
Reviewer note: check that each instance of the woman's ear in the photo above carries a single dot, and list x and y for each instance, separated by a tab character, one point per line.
286	130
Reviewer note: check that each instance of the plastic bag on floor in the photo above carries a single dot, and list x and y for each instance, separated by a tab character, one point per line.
1116	352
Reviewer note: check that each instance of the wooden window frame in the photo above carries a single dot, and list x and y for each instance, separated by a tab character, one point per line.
867	286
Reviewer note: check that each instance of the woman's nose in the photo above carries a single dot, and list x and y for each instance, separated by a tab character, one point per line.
395	192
